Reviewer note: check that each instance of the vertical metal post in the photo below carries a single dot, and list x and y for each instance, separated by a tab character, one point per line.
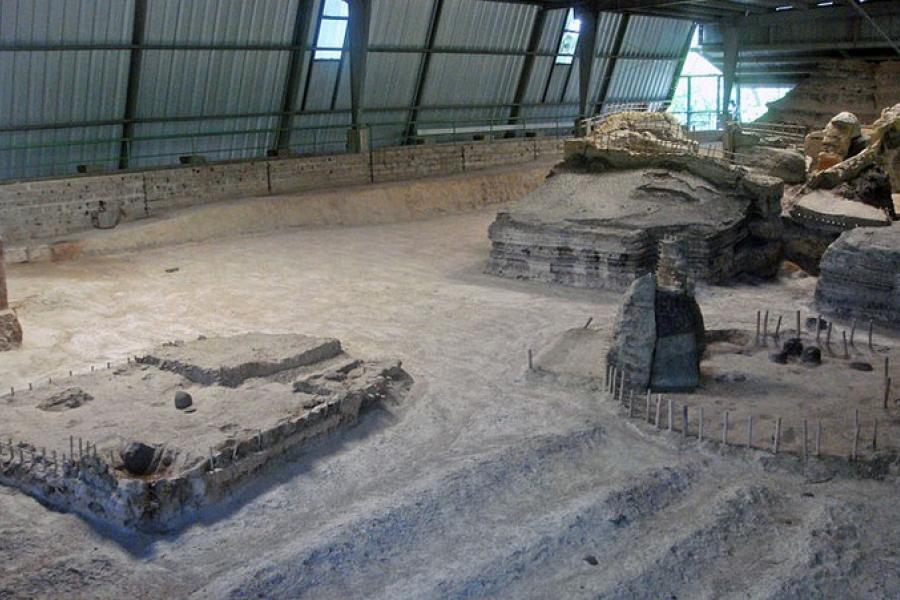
534	44
358	32
424	66
603	94
134	81
302	21
586	51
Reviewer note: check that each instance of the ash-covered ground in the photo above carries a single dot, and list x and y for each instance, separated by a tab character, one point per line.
486	482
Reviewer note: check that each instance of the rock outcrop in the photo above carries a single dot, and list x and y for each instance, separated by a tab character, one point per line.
860	276
10	328
640	132
598	219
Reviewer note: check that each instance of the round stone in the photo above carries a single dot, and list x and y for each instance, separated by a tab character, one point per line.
183	400
861	366
779	357
138	458
793	347
812	356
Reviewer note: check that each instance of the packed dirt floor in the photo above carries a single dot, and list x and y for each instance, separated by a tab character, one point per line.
486	482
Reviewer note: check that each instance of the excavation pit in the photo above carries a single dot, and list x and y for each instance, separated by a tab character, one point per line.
113	446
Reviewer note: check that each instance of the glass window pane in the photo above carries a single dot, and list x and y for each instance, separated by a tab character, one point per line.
331	33
327	55
572	24
564	60
568	43
335	8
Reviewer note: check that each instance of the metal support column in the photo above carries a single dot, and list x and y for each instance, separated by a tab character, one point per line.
302	21
134	80
424	65
587	51
358	31
534	42
730	43
603	96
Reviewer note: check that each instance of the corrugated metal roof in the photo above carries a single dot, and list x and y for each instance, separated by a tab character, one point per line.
54	87
655	36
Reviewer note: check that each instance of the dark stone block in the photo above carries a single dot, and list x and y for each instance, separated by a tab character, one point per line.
793	347
812	356
138	458
183	400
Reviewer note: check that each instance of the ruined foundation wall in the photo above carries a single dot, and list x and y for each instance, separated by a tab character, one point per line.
42	209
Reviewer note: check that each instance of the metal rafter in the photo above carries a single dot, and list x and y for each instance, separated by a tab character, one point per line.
603	94
534	41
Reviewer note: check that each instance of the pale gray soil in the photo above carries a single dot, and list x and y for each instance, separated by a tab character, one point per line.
485	482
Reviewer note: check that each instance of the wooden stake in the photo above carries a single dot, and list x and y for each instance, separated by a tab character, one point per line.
871	326
855	433
777	326
684	421
750	431
658	402
700	425
887	391
818	328
649	416
765	335
670	415
777	435
725	429
757	326
852	331
818	437
606	379
846	351
805	436
828	336
589	321
798	323
530	360
875	435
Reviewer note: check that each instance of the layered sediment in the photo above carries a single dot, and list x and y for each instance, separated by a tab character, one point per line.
860	276
598	220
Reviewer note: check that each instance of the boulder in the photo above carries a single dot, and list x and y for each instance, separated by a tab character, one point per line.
784	163
183	400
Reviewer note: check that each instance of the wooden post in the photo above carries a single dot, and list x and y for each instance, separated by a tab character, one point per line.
805	436
777	435
530	360
828	336
700	425
649	416
818	328
871	326
606	378
855	433
670	415
725	429
750	431
777	327
765	335
798	323
757	327
875	435
818	437
846	351
887	391
658	402
589	321
613	375
684	420
852	331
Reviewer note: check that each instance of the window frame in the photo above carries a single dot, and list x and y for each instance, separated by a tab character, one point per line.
325	53
571	30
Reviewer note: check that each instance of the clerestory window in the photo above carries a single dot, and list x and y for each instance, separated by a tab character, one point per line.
569	40
332	30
